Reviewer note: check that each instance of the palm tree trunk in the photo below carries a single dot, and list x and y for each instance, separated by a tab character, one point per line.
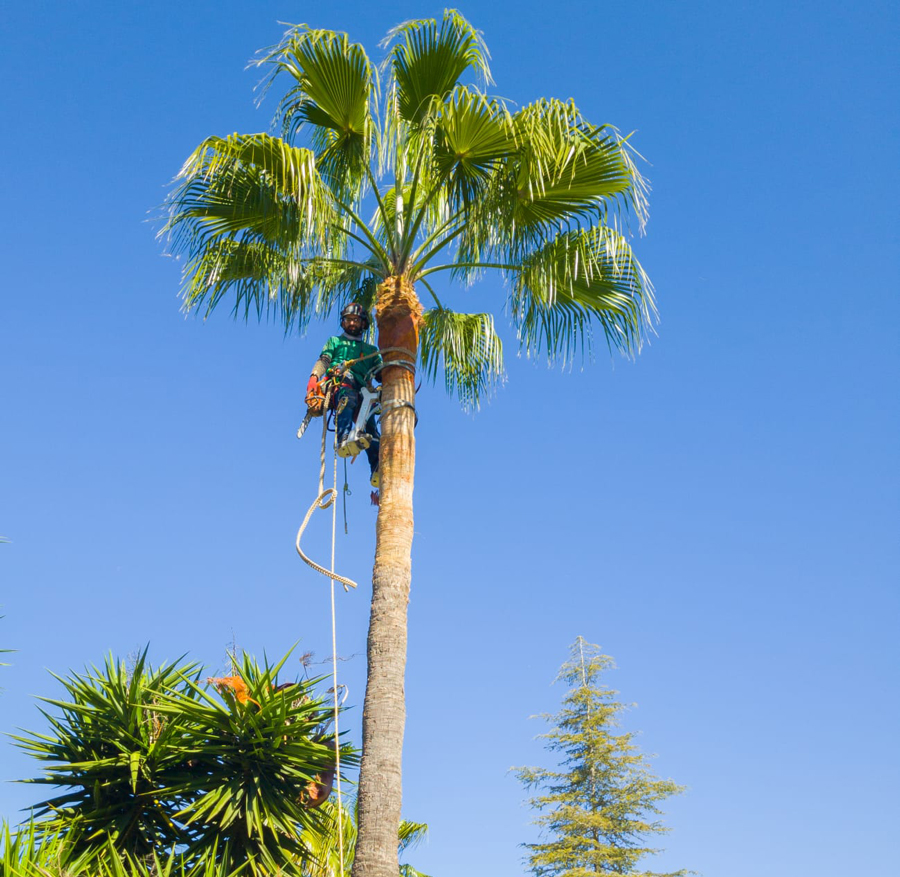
397	312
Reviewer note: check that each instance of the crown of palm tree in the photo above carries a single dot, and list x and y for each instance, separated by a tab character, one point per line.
404	170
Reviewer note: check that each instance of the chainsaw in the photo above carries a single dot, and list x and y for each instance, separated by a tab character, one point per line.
315	406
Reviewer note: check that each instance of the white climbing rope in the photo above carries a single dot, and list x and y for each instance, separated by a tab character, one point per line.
337	738
325	499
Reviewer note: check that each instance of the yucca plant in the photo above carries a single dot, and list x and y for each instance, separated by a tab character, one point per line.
388	181
151	760
113	752
253	756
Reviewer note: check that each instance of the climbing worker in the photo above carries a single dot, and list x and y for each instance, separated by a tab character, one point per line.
363	359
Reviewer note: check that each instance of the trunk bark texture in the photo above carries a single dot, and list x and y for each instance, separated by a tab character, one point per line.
397	312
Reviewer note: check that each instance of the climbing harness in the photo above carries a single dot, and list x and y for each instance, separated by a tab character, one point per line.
357	439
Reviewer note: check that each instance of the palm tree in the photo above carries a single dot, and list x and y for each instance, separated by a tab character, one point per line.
383	178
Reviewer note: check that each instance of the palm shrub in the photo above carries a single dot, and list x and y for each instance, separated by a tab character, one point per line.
250	762
112	753
150	760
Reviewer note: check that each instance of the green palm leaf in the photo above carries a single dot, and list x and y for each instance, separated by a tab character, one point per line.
474	135
427	60
250	186
261	277
332	96
323	849
563	173
568	168
4	651
466	348
579	278
253	217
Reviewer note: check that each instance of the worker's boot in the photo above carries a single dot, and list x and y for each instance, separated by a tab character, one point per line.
347	448
353	444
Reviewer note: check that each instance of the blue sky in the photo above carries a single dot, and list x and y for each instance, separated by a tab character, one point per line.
720	515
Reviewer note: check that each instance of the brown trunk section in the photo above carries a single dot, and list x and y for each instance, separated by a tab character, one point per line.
397	312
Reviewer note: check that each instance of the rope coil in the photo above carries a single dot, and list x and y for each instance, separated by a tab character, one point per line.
325	499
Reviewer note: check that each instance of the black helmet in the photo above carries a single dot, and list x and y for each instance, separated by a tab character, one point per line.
355	310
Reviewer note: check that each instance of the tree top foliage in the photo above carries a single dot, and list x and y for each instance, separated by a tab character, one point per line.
599	806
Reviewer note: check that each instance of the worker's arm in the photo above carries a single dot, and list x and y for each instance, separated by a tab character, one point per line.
320	367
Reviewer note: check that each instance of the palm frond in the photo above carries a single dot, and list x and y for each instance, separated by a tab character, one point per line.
322	849
4	651
568	168
578	280
466	348
252	216
427	59
250	186
474	135
564	174
260	276
411	834
332	98
266	282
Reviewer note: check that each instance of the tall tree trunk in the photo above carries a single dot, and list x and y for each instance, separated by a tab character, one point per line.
397	311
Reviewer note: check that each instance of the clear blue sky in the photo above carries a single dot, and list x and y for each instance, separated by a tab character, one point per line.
721	515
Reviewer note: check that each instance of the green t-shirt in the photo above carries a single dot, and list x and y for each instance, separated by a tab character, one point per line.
340	348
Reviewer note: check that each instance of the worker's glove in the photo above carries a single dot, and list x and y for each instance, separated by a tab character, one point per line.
312	384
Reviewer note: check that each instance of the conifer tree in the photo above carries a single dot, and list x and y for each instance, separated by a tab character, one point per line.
599	807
